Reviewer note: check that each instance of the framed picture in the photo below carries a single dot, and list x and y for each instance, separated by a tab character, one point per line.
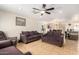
20	21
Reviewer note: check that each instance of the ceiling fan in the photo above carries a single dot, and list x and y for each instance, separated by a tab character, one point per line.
44	10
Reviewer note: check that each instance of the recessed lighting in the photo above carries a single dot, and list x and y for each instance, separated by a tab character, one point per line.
20	8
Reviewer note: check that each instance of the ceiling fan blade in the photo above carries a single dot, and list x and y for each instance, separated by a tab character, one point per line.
48	12
50	9
44	5
35	12
36	9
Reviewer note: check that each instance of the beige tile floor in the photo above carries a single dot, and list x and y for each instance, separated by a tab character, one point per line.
42	48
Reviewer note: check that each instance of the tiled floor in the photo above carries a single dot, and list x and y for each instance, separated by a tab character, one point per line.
42	48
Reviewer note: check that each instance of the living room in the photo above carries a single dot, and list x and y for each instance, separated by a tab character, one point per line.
17	20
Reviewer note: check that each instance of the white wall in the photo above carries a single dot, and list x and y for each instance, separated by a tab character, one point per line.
8	24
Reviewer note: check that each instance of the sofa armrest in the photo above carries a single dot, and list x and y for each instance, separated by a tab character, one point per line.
5	43
62	35
13	40
23	38
10	38
61	40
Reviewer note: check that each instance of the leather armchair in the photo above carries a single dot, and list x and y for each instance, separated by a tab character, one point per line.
29	36
7	48
54	37
4	38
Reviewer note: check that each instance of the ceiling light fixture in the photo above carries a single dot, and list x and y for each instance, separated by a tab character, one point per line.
42	12
20	8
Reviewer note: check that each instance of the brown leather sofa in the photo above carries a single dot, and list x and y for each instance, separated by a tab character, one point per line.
29	36
54	37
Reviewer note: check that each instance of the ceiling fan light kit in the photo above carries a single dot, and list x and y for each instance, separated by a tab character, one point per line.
44	10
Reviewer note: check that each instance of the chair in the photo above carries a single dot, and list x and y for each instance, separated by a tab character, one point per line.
7	48
4	37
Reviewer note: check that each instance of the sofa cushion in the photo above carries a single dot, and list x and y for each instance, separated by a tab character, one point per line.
34	36
30	33
35	32
2	36
58	31
26	33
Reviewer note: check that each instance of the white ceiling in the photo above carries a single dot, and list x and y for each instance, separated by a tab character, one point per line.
61	10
